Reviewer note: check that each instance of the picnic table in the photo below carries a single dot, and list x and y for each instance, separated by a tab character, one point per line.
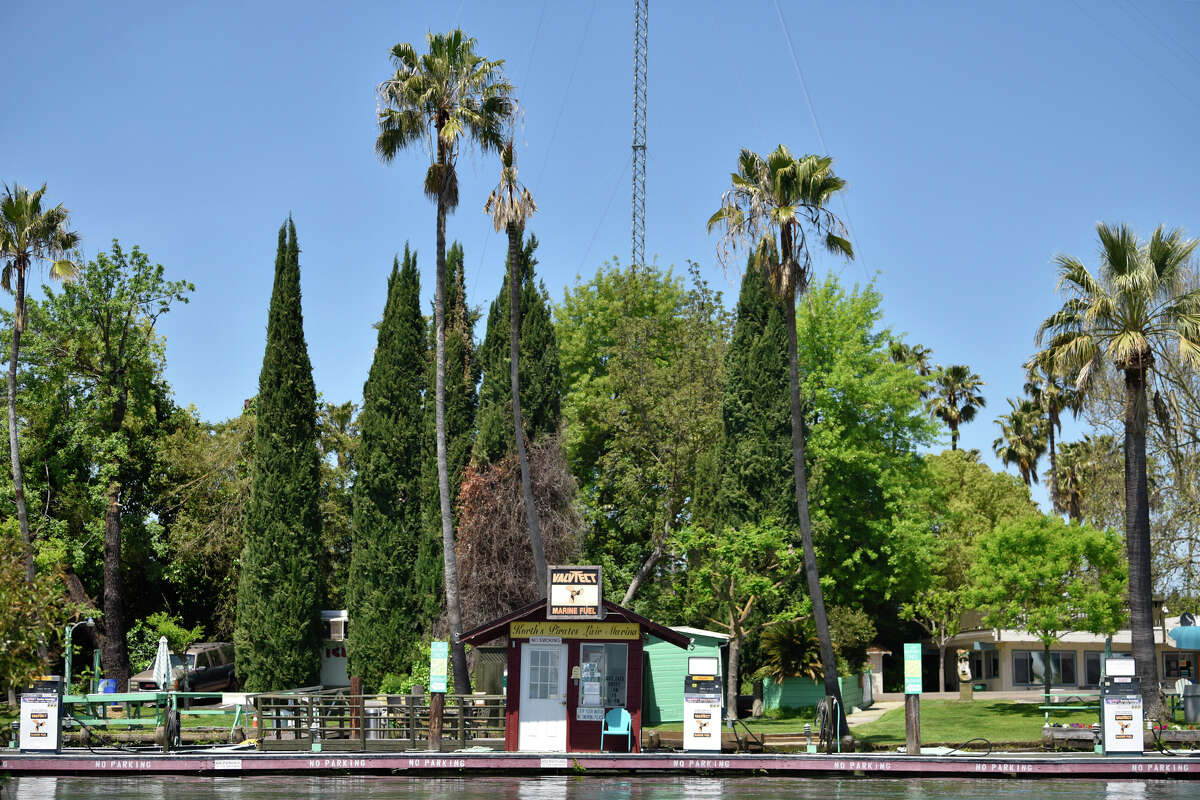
1069	700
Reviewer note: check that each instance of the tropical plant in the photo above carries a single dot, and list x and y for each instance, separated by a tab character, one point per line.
439	98
775	204
1053	396
1022	438
27	234
1127	312
510	204
955	398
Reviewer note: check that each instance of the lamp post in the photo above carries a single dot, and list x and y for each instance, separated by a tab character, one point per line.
68	631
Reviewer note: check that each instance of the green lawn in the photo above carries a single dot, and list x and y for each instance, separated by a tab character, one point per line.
954	722
942	721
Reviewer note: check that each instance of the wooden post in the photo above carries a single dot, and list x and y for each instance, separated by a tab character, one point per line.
357	729
437	703
912	724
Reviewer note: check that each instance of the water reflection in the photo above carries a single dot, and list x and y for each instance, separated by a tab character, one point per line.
660	787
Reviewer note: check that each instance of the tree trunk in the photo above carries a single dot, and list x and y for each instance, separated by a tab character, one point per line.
942	668
821	622
115	654
1047	672
731	678
450	561
953	437
1053	466
660	549
514	349
13	448
1137	539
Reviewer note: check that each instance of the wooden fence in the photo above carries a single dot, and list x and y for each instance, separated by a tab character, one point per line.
341	721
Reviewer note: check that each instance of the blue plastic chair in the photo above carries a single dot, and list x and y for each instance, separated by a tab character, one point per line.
617	722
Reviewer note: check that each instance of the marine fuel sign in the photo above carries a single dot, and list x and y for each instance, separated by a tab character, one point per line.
574	593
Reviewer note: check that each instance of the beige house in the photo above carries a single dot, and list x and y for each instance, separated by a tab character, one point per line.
1012	660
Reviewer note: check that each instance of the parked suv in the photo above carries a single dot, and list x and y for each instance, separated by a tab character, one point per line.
209	669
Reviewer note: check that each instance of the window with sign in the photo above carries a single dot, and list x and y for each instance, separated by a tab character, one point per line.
603	675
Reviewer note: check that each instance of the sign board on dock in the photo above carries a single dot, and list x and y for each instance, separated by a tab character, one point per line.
439	656
912	667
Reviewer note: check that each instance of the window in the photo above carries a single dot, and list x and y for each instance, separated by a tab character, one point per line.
1093	663
603	675
1029	667
1179	665
543	674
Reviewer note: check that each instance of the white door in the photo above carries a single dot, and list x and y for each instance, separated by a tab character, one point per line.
543	714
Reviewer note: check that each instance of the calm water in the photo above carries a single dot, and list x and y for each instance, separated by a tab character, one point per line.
583	788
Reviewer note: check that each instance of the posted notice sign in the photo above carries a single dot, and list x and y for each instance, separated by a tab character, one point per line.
439	656
574	593
912	667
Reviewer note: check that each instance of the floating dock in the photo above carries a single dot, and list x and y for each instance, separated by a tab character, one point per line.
225	761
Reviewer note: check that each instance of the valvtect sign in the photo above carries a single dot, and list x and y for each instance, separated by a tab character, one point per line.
574	593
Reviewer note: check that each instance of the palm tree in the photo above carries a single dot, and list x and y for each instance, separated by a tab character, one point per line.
28	234
1053	396
1022	438
510	204
916	357
1127	313
775	204
439	98
956	397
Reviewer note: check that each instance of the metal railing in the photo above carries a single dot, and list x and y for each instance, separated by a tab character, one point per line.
337	720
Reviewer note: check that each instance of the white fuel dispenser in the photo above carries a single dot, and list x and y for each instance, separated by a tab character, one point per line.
1121	714
702	705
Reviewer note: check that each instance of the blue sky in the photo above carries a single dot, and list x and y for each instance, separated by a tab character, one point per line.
977	142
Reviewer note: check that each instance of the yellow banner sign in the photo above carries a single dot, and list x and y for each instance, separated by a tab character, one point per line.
575	630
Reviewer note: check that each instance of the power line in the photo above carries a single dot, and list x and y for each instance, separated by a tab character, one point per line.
820	137
611	196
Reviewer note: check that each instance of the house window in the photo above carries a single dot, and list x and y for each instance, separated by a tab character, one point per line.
1179	665
1029	667
1093	665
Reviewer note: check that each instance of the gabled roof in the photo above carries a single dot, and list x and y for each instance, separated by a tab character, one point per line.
499	627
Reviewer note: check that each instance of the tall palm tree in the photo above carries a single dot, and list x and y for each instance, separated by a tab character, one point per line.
27	234
439	98
510	204
776	204
956	397
1022	438
1053	396
1128	312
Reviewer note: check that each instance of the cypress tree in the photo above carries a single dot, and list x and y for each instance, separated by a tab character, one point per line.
279	589
540	376
383	601
462	378
756	481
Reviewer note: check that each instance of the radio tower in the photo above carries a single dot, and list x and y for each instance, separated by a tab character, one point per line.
639	131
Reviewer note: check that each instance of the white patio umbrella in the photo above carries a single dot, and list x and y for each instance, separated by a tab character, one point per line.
162	665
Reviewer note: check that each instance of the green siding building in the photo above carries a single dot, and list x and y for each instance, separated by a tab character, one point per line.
666	666
806	693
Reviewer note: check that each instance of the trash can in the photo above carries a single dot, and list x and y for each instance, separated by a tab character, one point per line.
107	686
1191	703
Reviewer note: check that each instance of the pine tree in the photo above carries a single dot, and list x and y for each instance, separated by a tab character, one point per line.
383	601
541	379
462	376
279	588
756	483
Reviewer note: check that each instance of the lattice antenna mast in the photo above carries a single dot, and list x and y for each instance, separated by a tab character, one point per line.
640	15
